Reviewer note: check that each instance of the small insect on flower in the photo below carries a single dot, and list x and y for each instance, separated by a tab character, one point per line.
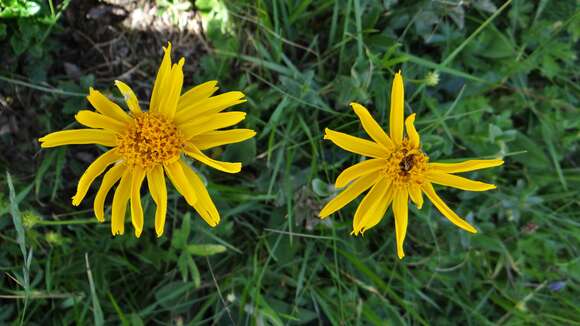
151	144
398	170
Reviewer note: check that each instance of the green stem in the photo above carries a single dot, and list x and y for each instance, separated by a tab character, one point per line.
69	222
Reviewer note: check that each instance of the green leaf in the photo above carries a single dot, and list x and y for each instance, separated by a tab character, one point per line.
180	236
321	188
205	249
97	311
173	293
194	273
16	217
494	45
187	266
19	8
182	265
19	44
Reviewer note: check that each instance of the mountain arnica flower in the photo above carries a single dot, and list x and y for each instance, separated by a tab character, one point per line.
154	143
396	171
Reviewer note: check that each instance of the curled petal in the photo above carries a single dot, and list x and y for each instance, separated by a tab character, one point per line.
204	205
173	85
465	166
358	170
444	209
414	138
216	138
160	88
376	214
227	167
79	137
158	189
415	194
368	206
196	94
136	208
458	182
401	212
348	194
120	199
129	96
92	172
111	177
397	109
356	145
96	120
177	176
208	106
107	107
212	122
371	126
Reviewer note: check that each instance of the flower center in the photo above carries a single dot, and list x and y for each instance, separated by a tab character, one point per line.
150	141
406	165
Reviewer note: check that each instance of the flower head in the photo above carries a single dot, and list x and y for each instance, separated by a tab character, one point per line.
151	144
397	171
432	78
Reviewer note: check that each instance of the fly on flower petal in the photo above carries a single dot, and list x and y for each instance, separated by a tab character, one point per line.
152	144
397	172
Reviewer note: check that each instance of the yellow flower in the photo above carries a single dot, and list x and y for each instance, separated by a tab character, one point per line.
150	144
398	170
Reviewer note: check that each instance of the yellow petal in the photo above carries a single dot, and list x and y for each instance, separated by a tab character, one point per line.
465	166
179	180
374	216
129	96
172	90
371	126
107	107
415	194
92	172
414	139
204	205
397	109
159	85
356	145
109	180
212	122
368	206
79	137
216	138
348	194
158	189
219	165
444	209
96	120
136	208
458	182
196	94
358	170
401	212
208	106
120	199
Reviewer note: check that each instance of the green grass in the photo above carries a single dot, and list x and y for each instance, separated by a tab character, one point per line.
507	87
